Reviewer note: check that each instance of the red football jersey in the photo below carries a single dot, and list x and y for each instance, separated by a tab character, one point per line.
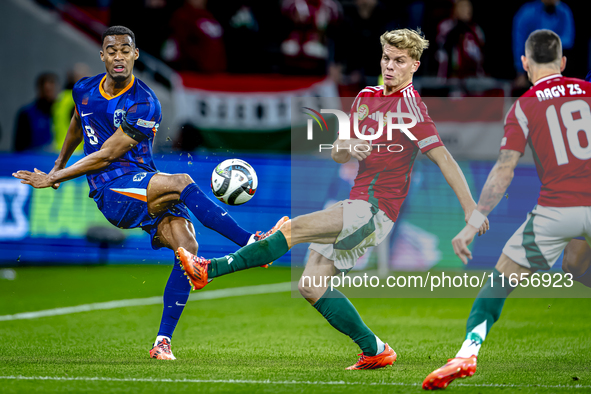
385	174
554	117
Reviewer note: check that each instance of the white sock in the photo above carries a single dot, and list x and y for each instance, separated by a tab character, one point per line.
469	348
473	342
381	345
159	338
251	239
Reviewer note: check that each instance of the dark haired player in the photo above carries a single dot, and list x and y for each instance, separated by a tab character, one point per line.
550	117
577	254
117	117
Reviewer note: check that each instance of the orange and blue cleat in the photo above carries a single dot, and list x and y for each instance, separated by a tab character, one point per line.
161	350
258	236
455	368
385	358
195	268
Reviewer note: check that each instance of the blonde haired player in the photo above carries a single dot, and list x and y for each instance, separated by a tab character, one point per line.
550	118
342	233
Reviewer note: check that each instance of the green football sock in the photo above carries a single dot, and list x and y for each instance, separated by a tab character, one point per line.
489	303
343	316
486	310
253	255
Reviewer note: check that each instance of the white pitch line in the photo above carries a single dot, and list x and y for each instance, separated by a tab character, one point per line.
206	295
279	382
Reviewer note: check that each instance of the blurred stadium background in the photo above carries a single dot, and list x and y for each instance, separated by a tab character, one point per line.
226	73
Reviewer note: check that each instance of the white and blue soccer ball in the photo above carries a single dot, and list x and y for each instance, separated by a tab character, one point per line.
234	182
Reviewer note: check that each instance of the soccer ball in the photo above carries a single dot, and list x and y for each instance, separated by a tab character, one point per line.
234	182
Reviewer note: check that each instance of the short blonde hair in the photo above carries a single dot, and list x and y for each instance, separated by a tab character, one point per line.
413	40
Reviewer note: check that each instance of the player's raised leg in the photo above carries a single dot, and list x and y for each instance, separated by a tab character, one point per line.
322	226
341	314
485	311
173	232
166	190
271	246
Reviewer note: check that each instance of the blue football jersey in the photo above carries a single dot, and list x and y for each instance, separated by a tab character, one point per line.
135	109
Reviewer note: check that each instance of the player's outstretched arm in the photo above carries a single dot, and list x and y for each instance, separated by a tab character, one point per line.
73	138
494	189
343	150
455	178
498	181
113	148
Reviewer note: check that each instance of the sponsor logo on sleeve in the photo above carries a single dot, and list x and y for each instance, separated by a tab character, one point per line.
145	123
428	141
504	141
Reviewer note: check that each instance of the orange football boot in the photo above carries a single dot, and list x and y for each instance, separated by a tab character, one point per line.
385	358
161	351
195	268
258	236
455	368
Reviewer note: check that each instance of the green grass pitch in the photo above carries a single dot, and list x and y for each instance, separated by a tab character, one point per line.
270	342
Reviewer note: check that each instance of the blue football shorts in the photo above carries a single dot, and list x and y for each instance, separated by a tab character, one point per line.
123	201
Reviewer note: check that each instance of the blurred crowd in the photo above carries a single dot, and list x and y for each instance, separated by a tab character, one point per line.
335	37
338	38
42	125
